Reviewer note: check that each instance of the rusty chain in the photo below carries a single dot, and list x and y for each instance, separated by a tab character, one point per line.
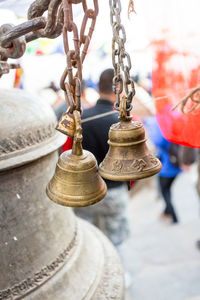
13	39
54	21
120	58
59	20
76	56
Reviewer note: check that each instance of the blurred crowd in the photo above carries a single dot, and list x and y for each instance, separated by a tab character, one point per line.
111	215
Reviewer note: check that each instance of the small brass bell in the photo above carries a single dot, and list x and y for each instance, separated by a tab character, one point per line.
128	157
76	181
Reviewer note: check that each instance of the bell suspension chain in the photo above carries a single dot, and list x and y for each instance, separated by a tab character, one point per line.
121	62
59	20
71	78
13	39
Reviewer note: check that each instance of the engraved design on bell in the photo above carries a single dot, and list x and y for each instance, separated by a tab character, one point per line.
30	284
8	145
117	166
121	125
153	159
137	124
138	165
104	162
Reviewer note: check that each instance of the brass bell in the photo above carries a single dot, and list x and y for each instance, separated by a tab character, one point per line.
76	181
128	157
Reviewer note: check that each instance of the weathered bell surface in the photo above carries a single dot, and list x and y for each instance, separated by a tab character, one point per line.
76	181
128	157
46	253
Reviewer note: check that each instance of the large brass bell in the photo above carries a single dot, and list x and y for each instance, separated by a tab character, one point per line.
128	157
76	181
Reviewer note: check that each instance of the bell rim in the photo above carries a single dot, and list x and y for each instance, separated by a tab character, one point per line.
59	199
29	154
129	176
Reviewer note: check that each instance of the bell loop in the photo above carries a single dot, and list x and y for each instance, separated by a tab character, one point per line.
77	142
123	111
77	94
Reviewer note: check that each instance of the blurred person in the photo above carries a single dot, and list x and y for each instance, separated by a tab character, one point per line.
198	189
169	171
51	94
110	215
53	86
175	159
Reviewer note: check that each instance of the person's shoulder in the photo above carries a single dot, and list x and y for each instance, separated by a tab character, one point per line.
60	109
88	112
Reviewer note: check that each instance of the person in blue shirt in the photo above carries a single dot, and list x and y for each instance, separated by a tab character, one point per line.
168	172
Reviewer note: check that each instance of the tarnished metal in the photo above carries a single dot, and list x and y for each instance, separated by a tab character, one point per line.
120	58
76	181
45	251
66	124
128	157
15	49
20	30
72	76
54	18
75	57
13	39
193	97
5	67
59	19
22	141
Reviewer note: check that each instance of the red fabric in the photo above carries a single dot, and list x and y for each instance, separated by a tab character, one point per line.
68	144
172	79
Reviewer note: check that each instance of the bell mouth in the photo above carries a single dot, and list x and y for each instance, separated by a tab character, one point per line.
77	201
128	176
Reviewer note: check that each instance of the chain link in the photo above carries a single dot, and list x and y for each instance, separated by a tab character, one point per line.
54	22
120	58
76	56
13	39
59	20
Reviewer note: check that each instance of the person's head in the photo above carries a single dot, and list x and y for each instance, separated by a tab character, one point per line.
105	85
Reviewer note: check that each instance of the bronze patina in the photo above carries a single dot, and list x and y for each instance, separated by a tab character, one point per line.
128	157
45	251
76	181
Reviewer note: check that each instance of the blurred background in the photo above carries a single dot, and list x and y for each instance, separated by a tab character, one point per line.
163	40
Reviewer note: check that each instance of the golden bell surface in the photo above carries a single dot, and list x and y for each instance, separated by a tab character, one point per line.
128	157
76	181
